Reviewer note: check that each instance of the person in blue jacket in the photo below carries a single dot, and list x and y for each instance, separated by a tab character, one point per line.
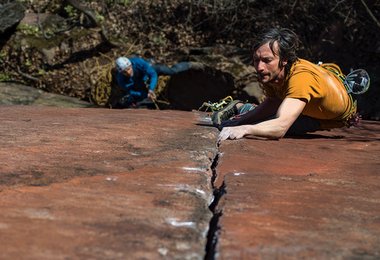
138	79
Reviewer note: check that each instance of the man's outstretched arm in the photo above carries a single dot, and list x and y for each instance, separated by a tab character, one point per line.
276	128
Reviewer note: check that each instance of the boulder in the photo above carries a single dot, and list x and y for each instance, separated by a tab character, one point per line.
18	94
10	15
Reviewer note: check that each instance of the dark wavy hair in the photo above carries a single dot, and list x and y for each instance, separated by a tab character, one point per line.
287	41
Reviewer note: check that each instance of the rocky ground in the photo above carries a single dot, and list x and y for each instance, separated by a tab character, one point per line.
90	183
17	94
78	181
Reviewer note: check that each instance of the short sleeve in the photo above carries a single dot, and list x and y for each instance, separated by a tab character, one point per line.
303	85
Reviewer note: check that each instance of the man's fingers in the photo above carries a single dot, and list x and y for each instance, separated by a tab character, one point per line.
224	134
230	133
151	95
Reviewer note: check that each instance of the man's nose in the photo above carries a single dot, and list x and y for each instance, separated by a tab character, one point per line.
260	66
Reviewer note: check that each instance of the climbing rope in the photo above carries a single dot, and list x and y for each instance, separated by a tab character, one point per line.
102	82
160	91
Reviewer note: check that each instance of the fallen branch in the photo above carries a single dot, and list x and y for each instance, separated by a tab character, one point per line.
27	76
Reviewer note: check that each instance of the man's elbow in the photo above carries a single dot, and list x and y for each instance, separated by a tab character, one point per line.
279	133
281	128
277	136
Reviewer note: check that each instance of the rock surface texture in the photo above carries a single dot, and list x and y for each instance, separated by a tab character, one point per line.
18	94
315	197
11	14
88	183
103	184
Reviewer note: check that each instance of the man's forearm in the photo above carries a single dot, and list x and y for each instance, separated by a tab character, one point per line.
266	129
272	129
276	128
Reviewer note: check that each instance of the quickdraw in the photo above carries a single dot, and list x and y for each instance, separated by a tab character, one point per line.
217	105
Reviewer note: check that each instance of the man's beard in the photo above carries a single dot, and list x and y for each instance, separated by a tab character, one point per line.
272	80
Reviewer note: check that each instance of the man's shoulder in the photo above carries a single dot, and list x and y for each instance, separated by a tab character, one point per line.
304	68
136	60
303	73
304	64
140	63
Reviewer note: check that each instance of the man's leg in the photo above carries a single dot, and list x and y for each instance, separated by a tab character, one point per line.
126	101
180	67
235	108
162	69
118	97
244	108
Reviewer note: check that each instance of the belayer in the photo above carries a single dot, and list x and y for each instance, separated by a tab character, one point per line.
137	79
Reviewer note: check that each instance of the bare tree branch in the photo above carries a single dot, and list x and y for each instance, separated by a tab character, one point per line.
370	13
91	15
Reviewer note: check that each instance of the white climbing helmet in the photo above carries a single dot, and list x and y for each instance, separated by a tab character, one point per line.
122	63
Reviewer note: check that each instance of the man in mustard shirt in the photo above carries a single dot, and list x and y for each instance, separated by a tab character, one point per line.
301	96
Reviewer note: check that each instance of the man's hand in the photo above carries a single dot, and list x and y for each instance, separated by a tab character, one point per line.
235	132
151	95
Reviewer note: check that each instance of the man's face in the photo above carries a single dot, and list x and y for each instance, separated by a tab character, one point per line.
267	64
128	72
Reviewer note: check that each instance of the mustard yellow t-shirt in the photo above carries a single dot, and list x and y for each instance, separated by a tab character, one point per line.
324	93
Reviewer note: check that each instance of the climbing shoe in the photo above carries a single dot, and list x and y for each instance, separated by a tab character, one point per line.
226	113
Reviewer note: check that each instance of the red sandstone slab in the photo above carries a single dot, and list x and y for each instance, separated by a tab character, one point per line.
103	184
315	197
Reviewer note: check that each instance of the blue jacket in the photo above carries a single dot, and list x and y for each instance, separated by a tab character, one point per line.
142	72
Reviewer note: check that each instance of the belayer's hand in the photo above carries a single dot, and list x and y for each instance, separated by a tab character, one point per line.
151	95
